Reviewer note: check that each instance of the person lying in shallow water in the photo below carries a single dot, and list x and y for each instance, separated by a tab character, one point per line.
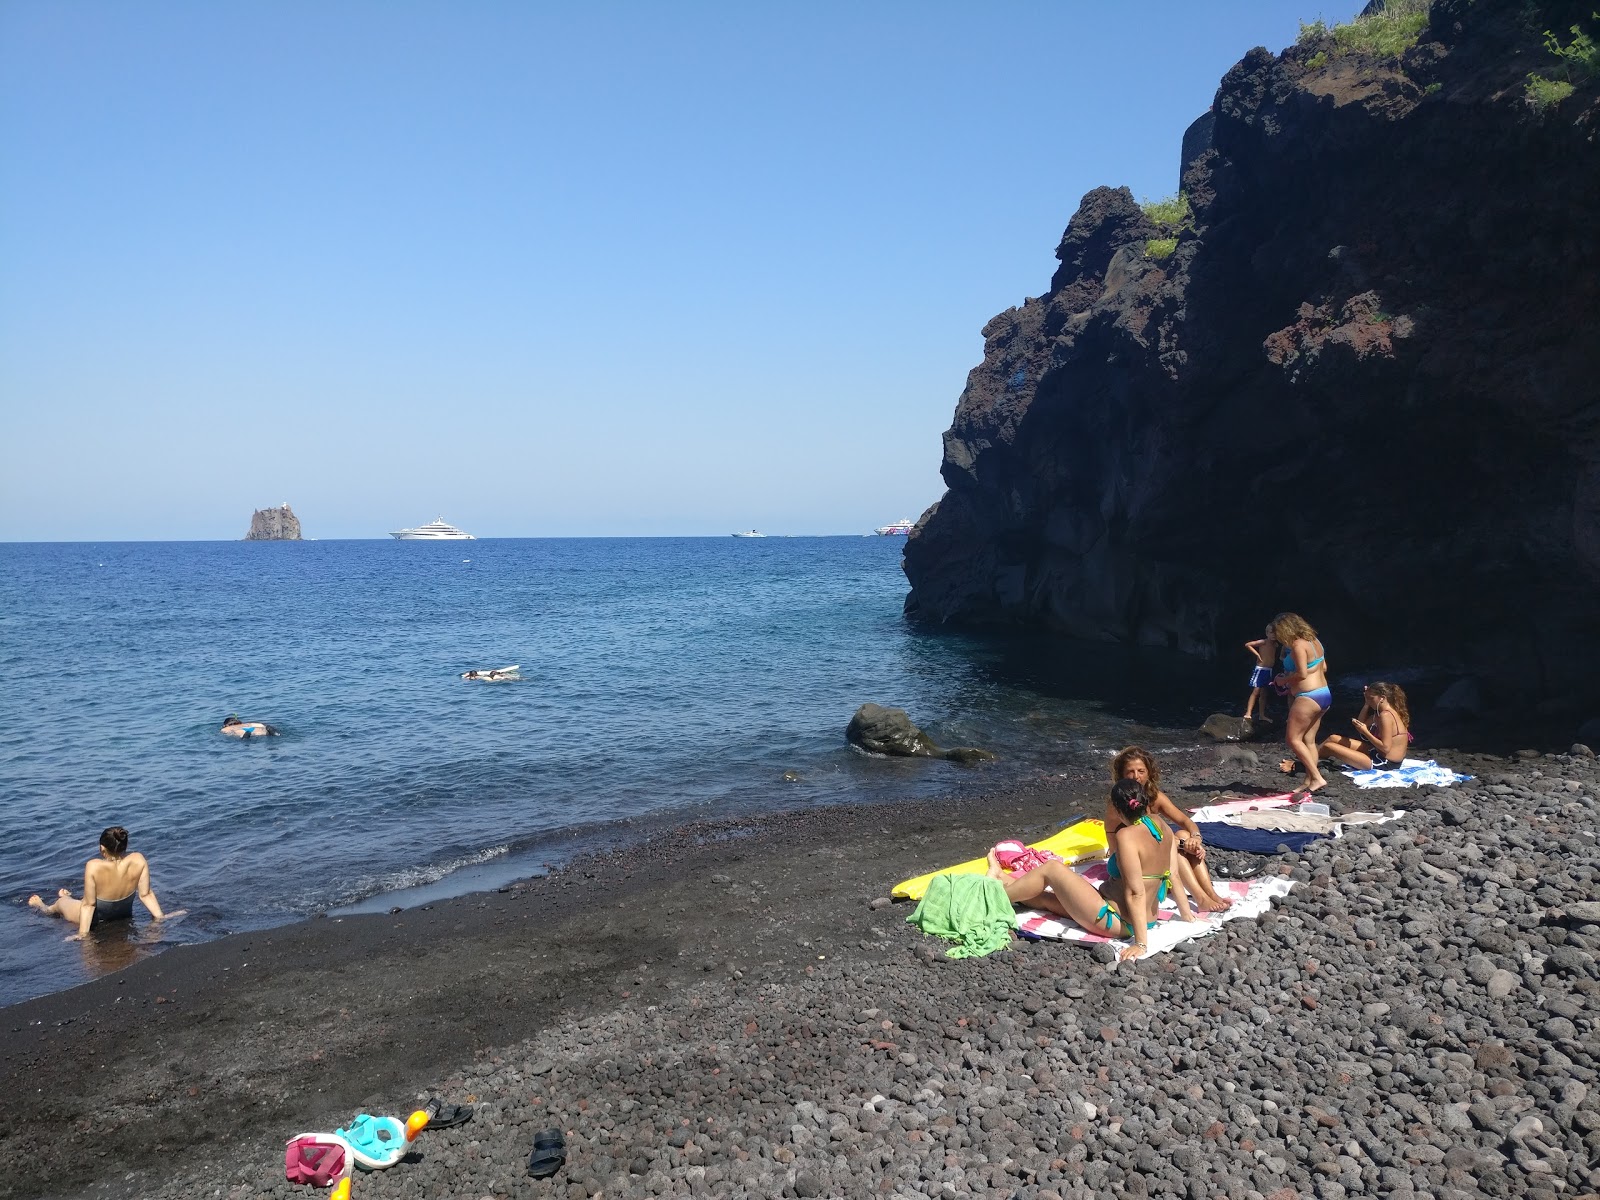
110	883
1137	764
234	727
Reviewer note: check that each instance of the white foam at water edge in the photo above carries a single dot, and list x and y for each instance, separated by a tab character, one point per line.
421	875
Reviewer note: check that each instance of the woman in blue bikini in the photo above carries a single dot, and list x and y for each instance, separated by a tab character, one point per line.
1305	679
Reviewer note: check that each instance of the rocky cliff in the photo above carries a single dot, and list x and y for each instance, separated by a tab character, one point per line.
1364	384
274	525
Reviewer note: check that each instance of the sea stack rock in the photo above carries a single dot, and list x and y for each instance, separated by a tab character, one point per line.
274	525
1352	377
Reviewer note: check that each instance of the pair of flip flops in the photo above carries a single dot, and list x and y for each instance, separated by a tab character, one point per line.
548	1155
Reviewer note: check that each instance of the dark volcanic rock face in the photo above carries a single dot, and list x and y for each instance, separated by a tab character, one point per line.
1365	386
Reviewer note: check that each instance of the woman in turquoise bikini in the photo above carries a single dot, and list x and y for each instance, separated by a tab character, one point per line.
1305	679
1056	887
1140	868
1138	764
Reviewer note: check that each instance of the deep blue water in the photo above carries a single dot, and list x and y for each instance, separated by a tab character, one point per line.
661	679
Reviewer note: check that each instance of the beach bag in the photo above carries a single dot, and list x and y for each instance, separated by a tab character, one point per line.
318	1159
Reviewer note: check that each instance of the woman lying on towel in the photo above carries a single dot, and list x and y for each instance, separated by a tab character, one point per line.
1385	728
1143	852
1137	764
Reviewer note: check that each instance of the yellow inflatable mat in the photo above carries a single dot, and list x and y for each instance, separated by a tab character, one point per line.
1086	839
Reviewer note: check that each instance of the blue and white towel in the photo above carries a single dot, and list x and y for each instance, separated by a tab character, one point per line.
1411	771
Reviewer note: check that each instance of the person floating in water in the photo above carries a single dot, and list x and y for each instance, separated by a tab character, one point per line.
497	673
234	727
110	883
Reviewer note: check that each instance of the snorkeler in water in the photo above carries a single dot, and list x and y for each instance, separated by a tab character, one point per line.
234	727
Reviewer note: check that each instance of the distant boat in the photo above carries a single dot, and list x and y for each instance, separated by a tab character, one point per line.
434	531
896	528
750	533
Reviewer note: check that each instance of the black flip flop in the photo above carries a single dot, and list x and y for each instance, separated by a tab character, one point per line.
445	1116
549	1153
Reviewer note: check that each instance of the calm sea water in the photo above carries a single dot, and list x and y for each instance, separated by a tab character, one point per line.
662	680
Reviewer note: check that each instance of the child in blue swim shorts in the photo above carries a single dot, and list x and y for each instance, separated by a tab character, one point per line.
1265	650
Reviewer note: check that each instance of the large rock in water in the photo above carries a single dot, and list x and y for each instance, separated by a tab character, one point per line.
1362	387
882	730
274	525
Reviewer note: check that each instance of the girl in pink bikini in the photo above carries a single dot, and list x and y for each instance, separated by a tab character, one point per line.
1384	726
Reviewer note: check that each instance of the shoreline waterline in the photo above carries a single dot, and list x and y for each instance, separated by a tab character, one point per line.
659	676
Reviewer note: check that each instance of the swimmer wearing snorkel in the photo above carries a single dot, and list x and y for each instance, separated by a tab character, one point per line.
234	727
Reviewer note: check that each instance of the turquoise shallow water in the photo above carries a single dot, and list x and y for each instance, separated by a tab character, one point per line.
662	679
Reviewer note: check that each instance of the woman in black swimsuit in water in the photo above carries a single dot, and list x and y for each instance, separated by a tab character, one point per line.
110	883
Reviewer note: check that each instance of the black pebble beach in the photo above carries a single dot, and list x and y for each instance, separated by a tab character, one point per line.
718	1015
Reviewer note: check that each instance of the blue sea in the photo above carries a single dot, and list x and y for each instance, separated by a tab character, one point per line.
662	680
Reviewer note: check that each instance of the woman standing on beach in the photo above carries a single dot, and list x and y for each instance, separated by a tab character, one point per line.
1138	764
1382	744
1305	679
110	883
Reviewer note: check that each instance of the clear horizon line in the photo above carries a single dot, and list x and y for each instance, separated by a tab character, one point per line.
543	537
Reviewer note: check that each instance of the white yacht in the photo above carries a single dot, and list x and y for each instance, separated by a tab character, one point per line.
898	528
749	533
434	531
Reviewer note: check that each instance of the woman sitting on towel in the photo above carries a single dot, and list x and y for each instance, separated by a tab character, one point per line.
1304	679
1382	744
110	883
1042	880
1137	764
1143	860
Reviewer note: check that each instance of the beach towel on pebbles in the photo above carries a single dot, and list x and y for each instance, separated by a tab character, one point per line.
1250	898
1239	824
1222	836
1411	771
1221	810
970	910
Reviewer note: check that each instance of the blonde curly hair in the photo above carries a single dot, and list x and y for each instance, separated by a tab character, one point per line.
1288	628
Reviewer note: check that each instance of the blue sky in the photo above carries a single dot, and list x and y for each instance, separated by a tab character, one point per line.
544	270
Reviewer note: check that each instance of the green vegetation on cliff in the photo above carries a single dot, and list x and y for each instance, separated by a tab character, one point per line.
1579	62
1387	33
1172	215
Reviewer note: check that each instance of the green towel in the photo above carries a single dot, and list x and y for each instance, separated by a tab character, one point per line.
970	910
